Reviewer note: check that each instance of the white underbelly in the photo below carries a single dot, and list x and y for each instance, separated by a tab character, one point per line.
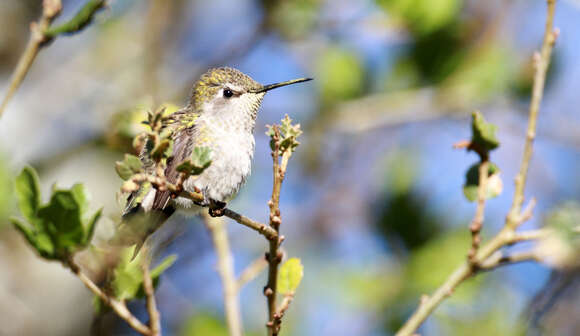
231	165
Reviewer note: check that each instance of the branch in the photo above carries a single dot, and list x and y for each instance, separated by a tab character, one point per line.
515	216
283	308
251	272
50	10
274	255
217	229
262	229
477	222
500	259
529	235
162	184
541	63
41	34
154	318
118	307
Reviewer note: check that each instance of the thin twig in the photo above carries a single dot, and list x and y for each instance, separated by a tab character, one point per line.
118	307
541	63
283	308
261	228
251	272
154	316
50	10
217	229
41	33
515	216
500	259
528	211
477	222
274	255
162	184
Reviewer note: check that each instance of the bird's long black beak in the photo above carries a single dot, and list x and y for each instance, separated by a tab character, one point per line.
277	85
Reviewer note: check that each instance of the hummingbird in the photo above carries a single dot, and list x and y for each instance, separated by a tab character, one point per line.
221	115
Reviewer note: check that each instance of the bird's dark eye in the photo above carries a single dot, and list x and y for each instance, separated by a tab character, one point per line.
228	93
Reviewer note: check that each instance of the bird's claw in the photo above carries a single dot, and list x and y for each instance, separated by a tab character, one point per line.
216	208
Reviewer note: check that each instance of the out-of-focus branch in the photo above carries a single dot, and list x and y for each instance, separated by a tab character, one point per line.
50	10
251	272
118	307
283	308
515	216
477	222
154	317
529	235
217	229
541	63
500	259
41	33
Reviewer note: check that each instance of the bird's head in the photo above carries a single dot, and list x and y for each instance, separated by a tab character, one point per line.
225	91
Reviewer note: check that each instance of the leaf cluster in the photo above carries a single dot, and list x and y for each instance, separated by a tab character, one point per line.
287	136
59	228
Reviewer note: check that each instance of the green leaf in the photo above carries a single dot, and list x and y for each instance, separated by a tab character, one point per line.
200	159
288	129
62	220
128	167
290	275
90	227
81	19
128	275
288	134
494	184
163	265
483	136
28	193
60	227
40	241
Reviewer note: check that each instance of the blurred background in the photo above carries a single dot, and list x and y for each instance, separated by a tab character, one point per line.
372	202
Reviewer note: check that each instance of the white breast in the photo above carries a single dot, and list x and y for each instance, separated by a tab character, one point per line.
232	154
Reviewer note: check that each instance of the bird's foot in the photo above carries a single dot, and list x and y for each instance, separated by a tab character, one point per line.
216	208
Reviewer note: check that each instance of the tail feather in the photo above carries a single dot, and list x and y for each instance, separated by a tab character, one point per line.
137	225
